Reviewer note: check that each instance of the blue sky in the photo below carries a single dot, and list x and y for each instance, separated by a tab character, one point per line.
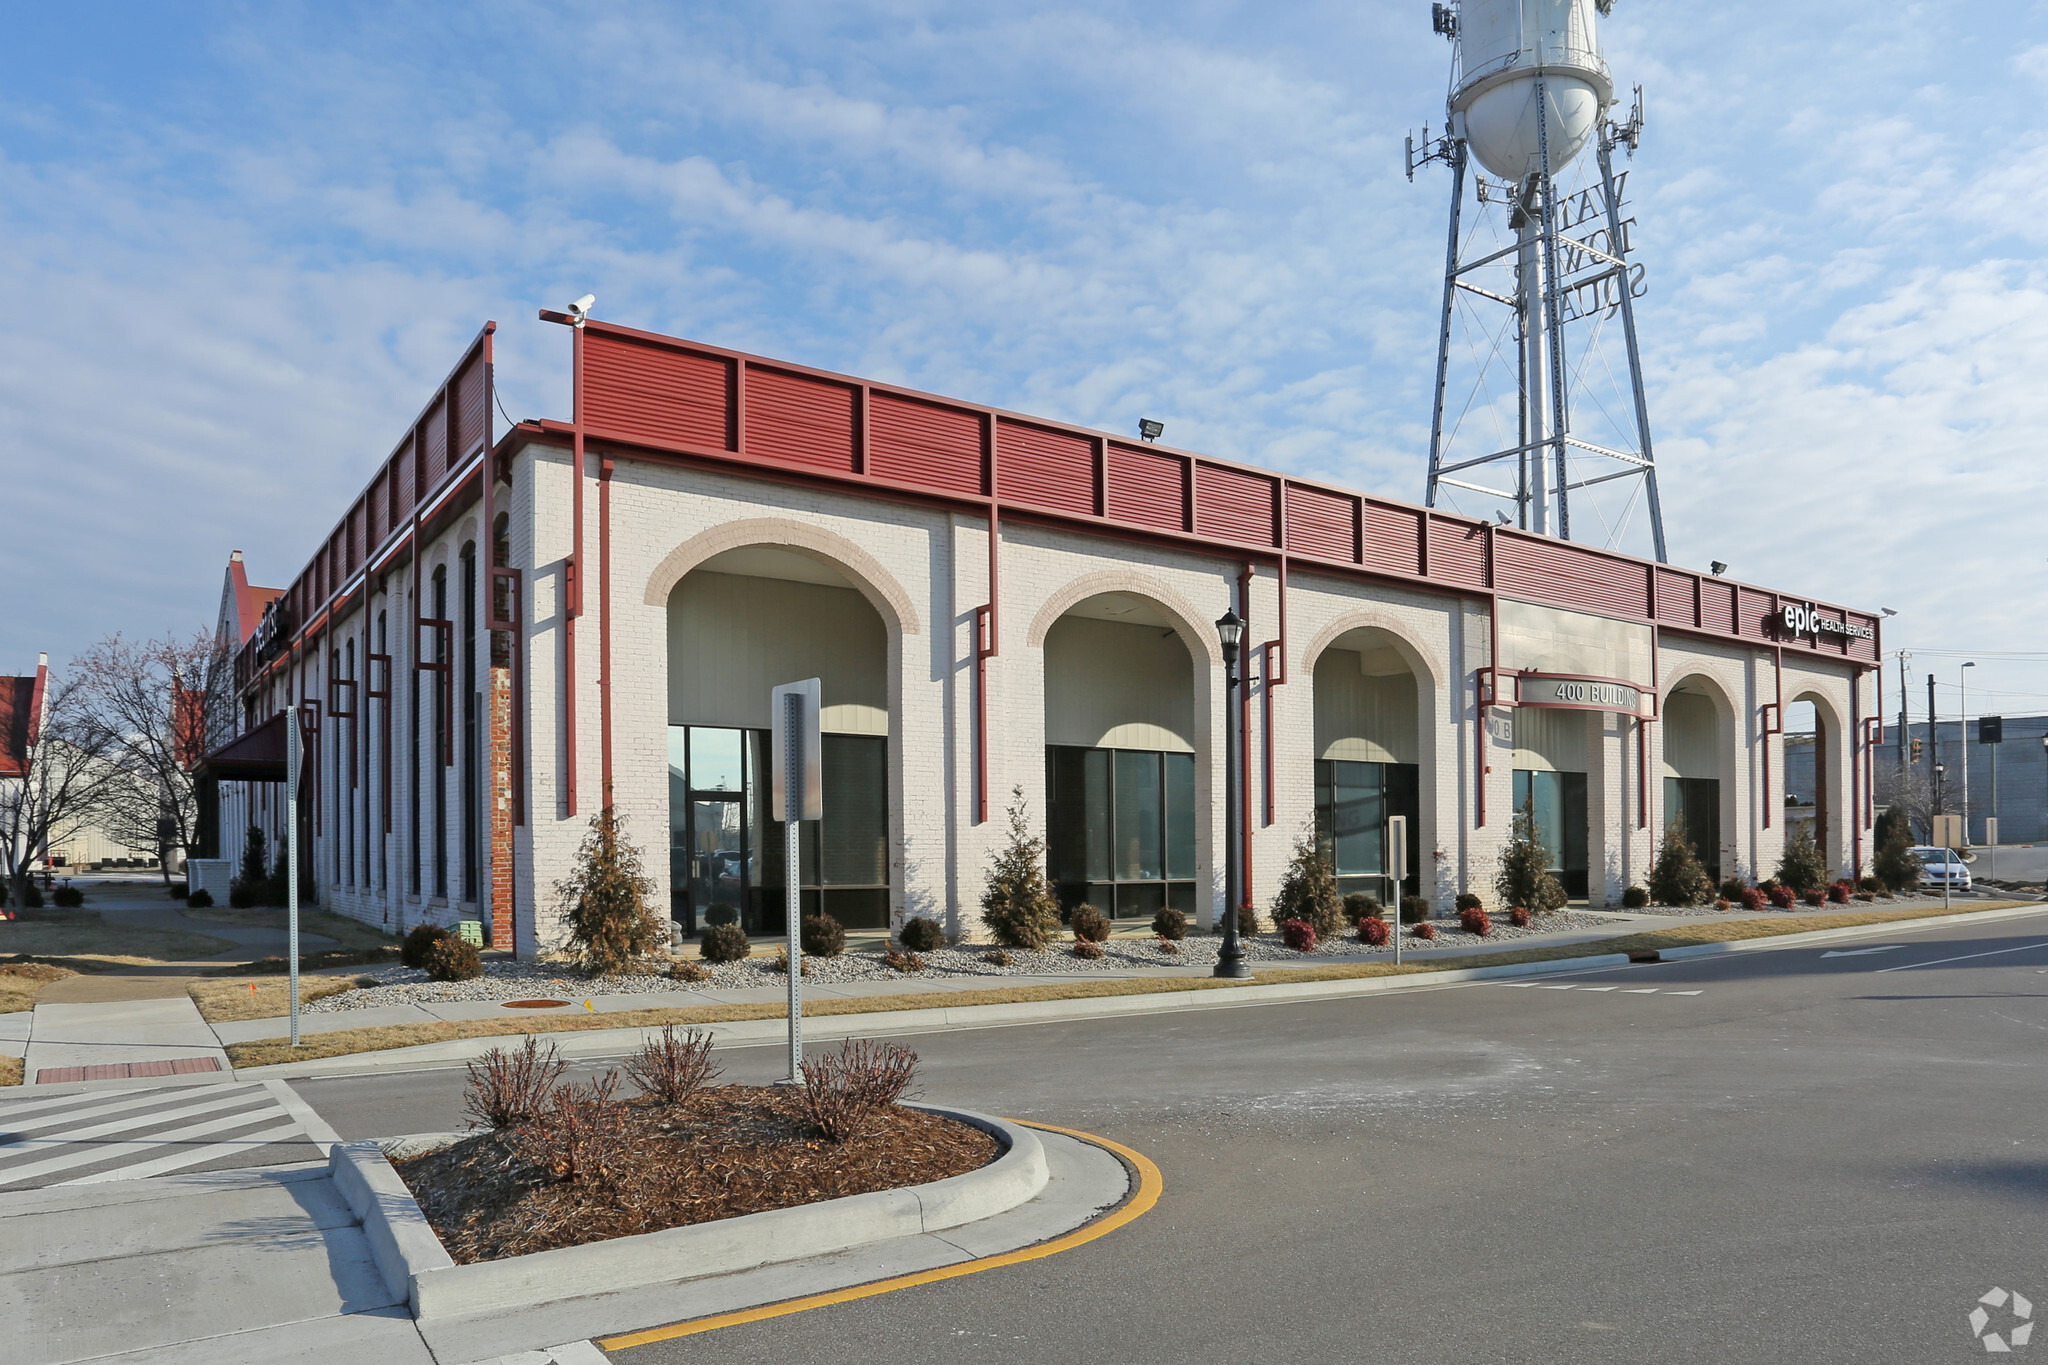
241	243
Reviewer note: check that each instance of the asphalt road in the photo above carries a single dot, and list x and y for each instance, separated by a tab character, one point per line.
1811	1158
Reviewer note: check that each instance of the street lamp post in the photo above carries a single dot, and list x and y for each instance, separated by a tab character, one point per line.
1230	963
1963	733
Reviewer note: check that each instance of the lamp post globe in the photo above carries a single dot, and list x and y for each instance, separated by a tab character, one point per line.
1230	963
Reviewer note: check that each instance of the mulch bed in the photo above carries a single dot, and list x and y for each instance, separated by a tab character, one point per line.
727	1151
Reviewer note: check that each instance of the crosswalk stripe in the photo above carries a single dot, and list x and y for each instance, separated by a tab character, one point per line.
1595	990
141	1100
9	1108
1640	990
179	1160
1681	992
134	1146
242	1096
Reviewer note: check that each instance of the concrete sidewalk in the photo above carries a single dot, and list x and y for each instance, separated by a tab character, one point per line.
122	1039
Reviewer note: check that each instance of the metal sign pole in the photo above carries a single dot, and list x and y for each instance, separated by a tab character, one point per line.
797	795
1397	862
792	778
291	858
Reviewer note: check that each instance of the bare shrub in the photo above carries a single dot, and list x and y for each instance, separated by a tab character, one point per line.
674	1066
580	1136
510	1087
843	1092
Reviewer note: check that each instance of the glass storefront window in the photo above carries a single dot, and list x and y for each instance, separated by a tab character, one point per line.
1559	802
1693	804
1353	804
1121	829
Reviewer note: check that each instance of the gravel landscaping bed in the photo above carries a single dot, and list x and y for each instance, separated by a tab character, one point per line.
514	980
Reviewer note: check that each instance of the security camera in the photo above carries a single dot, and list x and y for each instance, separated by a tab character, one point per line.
581	308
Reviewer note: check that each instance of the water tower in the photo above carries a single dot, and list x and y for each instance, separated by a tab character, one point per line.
1531	410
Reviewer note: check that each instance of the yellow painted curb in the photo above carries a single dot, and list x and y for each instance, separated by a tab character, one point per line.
1150	1182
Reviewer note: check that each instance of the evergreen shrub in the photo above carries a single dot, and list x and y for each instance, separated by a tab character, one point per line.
922	934
724	943
1524	877
823	936
1308	890
1414	909
1170	925
606	900
413	950
1090	923
1018	905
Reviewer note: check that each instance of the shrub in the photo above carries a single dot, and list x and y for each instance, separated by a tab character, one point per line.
1171	925
1090	923
1781	896
1087	948
199	900
1866	896
1895	866
996	957
1721	905
1804	867
724	943
719	912
241	894
412	951
1372	931
822	936
580	1136
1524	877
1018	905
1731	889
1473	920
1247	922
32	897
1358	906
508	1087
921	934
844	1092
1168	945
1414	909
895	959
673	1066
1308	890
453	959
255	862
68	897
605	900
1677	878
1870	884
1424	930
1815	896
1299	935
781	963
1754	898
1838	892
1469	901
688	969
1635	898
180	890
1518	916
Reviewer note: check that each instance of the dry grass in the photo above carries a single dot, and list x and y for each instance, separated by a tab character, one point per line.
10	1071
21	982
226	1002
348	933
98	946
268	1051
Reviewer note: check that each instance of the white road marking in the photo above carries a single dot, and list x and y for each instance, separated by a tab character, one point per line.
318	1129
1864	952
1572	987
1681	992
1597	989
1519	985
240	1095
179	1160
1908	966
577	1353
107	1151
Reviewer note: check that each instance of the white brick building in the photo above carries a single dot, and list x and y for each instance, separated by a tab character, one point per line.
746	522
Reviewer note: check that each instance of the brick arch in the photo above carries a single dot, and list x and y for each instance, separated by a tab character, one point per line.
1413	651
835	551
1200	639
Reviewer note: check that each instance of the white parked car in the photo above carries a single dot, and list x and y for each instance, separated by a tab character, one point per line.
1940	866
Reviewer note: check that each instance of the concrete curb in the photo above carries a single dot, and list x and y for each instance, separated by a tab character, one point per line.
418	1268
941	1018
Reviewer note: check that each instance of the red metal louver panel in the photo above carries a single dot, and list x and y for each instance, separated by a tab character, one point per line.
1717	606
1554	571
658	393
1147	489
434	446
1235	506
379	511
1393	538
925	445
1457	552
1753	614
470	401
802	421
1674	598
1322	524
404	493
1045	468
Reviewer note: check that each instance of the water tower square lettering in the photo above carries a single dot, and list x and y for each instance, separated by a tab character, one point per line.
1585	694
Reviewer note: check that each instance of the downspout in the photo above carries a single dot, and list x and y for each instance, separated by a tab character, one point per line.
1272	676
604	619
986	642
573	605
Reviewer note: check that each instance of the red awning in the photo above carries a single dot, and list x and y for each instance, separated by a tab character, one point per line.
258	756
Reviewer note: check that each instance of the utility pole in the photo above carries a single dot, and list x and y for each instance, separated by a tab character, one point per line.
1932	747
1905	656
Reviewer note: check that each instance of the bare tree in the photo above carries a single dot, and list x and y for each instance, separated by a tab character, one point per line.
65	775
1911	793
156	705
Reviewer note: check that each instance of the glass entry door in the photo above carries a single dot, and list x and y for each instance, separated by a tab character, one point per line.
1692	805
713	864
1353	803
1559	801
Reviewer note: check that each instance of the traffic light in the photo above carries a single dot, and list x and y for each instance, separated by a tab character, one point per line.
1916	749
